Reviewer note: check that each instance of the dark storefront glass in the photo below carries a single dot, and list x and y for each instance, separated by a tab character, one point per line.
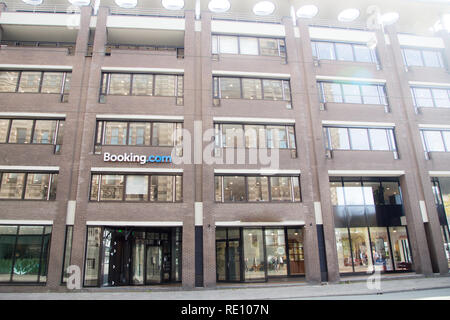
259	253
24	253
441	190
368	220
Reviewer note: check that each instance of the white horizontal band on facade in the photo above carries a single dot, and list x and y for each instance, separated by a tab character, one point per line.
147	22
282	76
429	84
260	223
28	222
409	40
135	170
439	173
247	28
350	79
29	168
358	123
137	117
253	120
34	67
339	34
136	223
143	70
33	115
257	171
366	173
434	126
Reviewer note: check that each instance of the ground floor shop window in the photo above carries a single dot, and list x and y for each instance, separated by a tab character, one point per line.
24	253
118	256
441	190
255	254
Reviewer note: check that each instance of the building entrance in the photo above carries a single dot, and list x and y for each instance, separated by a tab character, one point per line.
137	256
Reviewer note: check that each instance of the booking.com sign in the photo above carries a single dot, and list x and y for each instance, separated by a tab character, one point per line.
130	157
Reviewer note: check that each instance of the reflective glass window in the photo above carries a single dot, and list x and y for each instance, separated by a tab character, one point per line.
276	256
276	137
280	188
52	82
339	138
441	98
362	53
139	133
251	89
359	139
248	46
234	189
258	189
412	57
161	188
325	50
343	250
344	51
370	94
400	248
233	135
8	81
111	188
268	47
434	140
20	131
332	92
142	85
378	139
4	126
352	93
353	193
37	186
423	97
12	185
29	81
218	188
381	251
255	136
253	254
92	265
446	136
44	131
120	84
361	249
230	88
116	133
337	194
163	133
432	58
136	188
95	181
165	85
273	89
391	193
228	44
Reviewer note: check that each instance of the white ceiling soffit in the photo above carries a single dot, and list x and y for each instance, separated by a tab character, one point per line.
321	33
247	28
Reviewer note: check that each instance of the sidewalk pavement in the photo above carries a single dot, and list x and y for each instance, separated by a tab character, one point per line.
290	290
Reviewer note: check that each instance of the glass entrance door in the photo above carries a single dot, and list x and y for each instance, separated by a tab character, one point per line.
153	265
234	261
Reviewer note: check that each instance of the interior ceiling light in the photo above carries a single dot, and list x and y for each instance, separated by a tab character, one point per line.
309	11
173	4
219	6
127	4
389	18
80	3
33	2
348	15
263	8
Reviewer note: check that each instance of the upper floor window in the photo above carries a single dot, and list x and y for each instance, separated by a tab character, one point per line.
431	97
248	45
359	138
422	57
323	50
35	81
361	93
134	187
237	135
251	88
139	133
142	84
436	140
28	185
257	188
35	131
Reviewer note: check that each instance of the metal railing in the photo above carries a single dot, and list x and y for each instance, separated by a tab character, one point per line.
57	8
246	18
140	11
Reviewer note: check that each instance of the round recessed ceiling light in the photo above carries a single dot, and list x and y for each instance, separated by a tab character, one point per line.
389	18
173	4
126	4
309	11
219	6
263	8
348	15
80	3
33	2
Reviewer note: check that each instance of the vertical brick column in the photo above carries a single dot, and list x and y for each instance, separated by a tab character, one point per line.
414	183
305	145
68	174
3	8
319	166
